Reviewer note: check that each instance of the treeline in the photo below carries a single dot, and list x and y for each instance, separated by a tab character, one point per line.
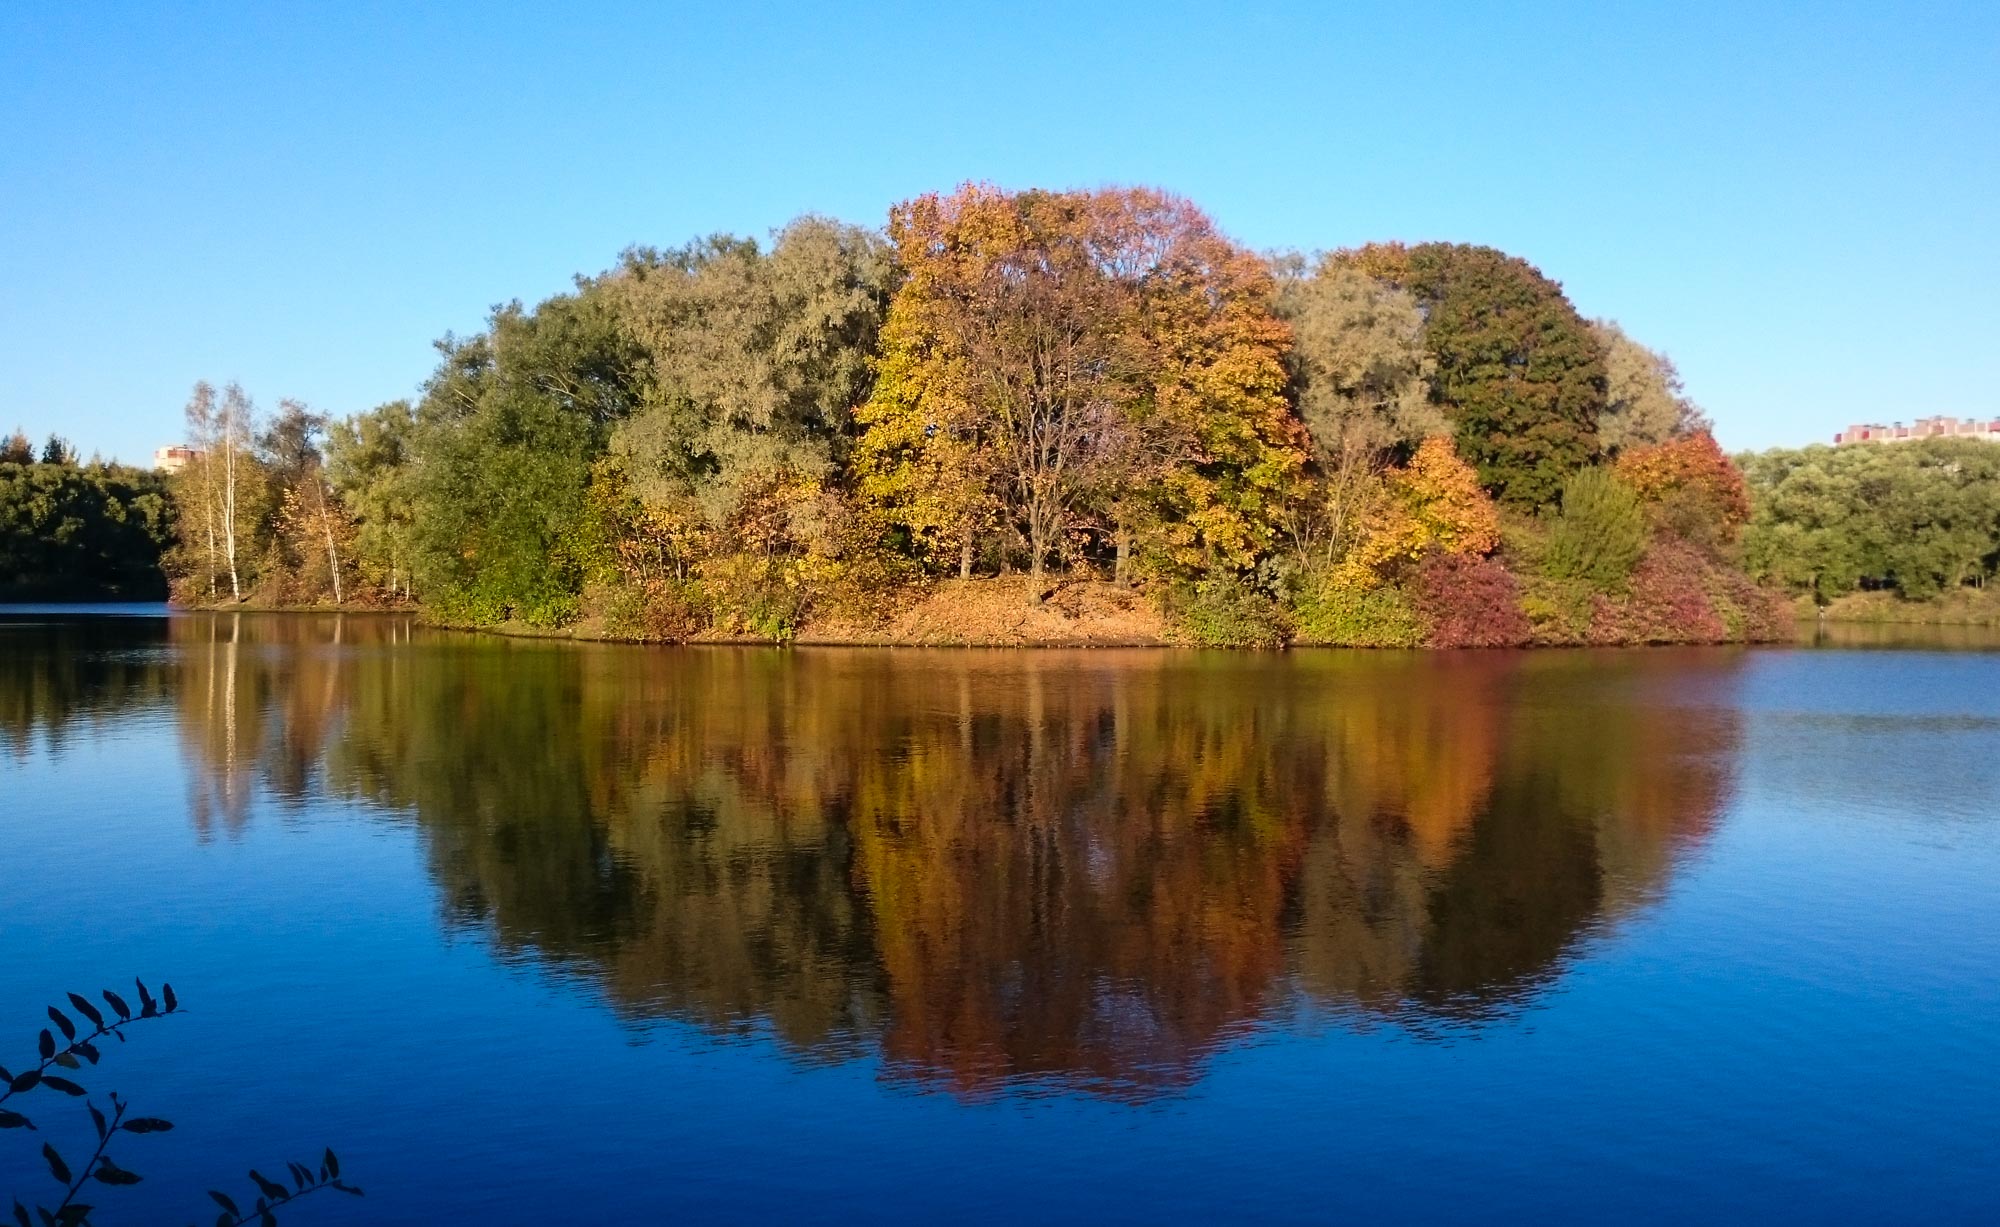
1921	519
1391	445
76	531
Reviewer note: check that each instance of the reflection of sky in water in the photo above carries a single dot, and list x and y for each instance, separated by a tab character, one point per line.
637	934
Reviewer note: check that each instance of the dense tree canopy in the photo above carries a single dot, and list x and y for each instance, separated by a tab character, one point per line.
739	437
1516	369
1071	364
80	532
1922	518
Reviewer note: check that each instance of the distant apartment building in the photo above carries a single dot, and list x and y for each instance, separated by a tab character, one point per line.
1923	428
174	457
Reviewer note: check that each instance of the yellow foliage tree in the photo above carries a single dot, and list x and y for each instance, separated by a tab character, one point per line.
1434	502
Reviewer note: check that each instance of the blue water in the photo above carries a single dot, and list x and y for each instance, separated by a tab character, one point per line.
549	932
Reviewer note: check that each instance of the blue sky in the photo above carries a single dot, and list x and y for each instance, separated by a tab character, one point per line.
1800	203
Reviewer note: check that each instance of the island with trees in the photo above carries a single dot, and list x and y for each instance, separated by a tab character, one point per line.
1057	417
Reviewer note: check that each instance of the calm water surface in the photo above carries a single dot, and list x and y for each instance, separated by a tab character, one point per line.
554	932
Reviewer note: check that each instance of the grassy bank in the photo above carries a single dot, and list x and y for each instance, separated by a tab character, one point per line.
995	612
1966	607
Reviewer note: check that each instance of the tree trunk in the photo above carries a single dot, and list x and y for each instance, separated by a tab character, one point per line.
326	527
1122	573
229	505
965	557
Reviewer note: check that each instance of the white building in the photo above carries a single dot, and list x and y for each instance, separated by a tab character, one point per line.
174	457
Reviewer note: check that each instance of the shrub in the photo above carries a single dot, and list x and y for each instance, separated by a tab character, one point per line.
1749	612
1600	534
1469	602
1667	602
659	610
1331	612
1224	611
1559	611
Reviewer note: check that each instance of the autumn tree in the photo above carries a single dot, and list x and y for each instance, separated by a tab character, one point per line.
221	494
1432	504
1645	401
1517	371
1069	361
1690	488
1224	456
1360	379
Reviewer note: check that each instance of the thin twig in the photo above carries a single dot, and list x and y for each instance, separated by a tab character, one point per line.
90	1165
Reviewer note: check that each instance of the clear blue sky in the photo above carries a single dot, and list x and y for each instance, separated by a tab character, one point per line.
1799	203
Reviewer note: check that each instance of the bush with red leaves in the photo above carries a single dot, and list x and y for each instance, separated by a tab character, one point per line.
1668	602
1469	602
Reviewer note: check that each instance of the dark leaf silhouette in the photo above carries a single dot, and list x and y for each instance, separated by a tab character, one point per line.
57	1167
86	1009
97	1118
61	1084
147	1006
26	1082
62	1023
47	1044
118	1003
270	1188
167	997
87	1050
148	1124
223	1199
14	1120
21	1215
74	1213
110	1173
332	1162
68	1061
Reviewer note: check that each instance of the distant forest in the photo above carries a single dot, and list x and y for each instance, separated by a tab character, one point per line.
1392	445
71	531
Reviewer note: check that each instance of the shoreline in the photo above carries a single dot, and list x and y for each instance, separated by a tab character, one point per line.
835	634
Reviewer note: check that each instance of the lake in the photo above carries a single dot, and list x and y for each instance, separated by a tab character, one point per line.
538	931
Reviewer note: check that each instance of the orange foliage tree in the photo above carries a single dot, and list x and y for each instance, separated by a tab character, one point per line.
1078	362
1690	486
1433	503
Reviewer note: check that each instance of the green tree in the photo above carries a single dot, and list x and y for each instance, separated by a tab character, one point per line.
1922	518
1518	372
1599	535
368	462
1645	401
506	434
71	532
752	361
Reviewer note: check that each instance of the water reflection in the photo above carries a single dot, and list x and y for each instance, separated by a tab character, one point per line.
990	869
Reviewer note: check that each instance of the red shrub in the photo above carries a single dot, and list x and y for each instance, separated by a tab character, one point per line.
1668	602
1754	614
1469	602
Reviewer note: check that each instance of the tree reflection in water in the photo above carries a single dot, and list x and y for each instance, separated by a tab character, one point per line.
995	870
